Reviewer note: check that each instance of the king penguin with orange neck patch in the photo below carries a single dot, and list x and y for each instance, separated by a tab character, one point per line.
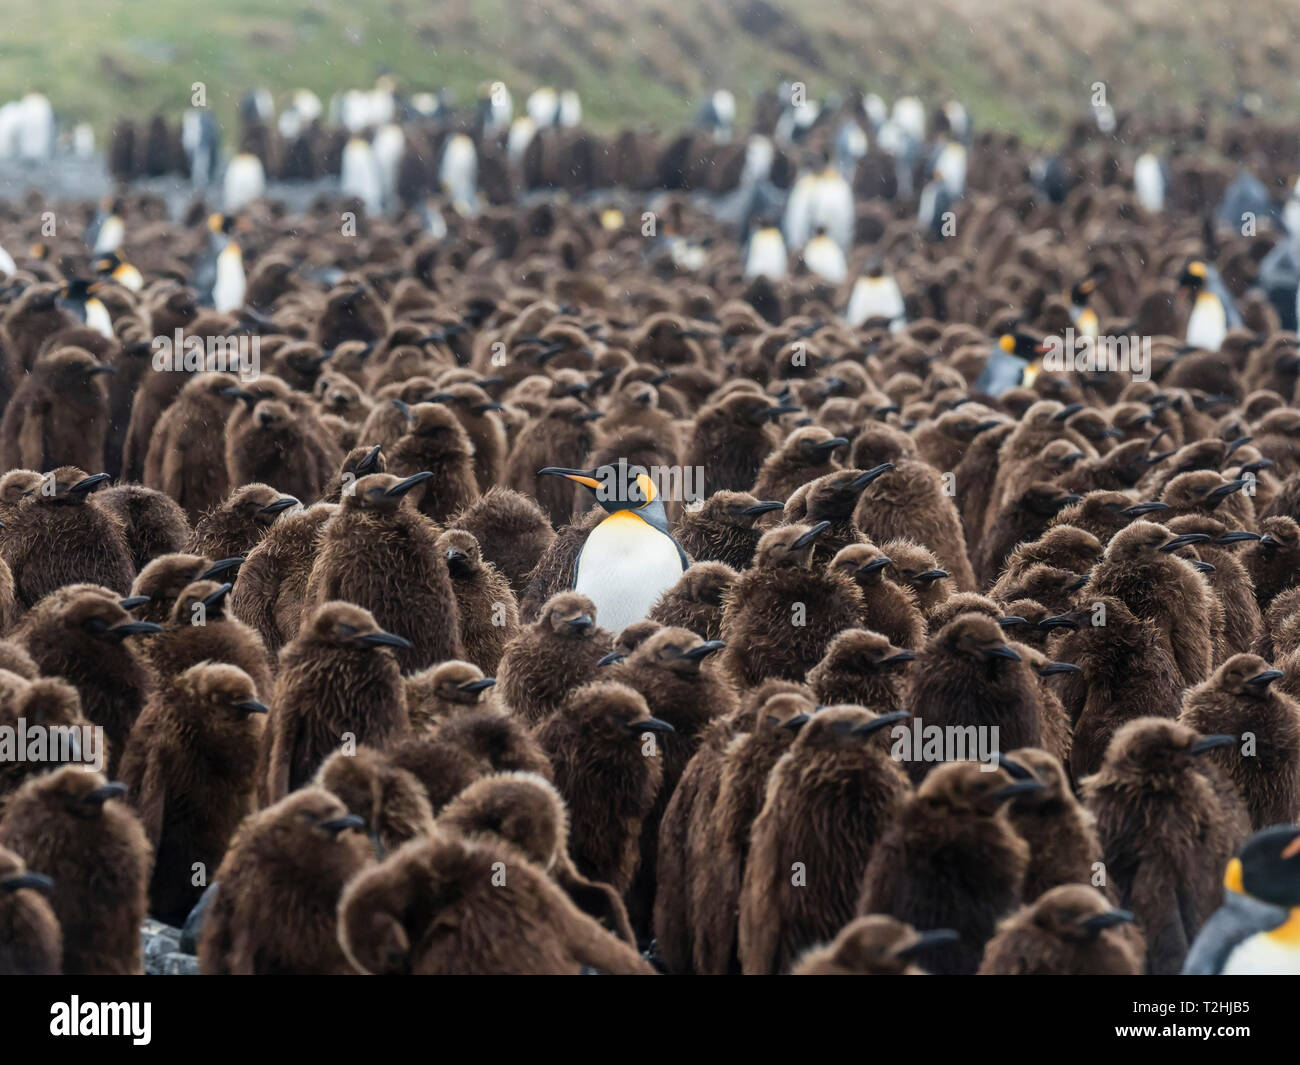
1257	929
630	559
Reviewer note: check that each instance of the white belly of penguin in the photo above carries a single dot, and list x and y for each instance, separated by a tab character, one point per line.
624	567
1263	955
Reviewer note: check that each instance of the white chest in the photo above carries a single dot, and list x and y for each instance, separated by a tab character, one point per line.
1265	955
624	568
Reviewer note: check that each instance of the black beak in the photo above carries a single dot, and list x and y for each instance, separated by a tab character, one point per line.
828	446
1022	787
1241	441
283	503
1138	509
133	628
483	408
1186	540
899	658
1209	743
581	623
1203	567
1100	921
811	535
101	795
931	575
934	938
473	687
1014	769
1223	491
252	706
1011	621
29	881
242	394
702	651
610	659
405	485
1066	411
370	463
1002	650
133	601
1260	681
649	724
88	484
221	566
1238	537
213	598
861	481
1059	621
764	507
877	564
797	722
342	824
385	639
403	407
883	721
455	555
1053	668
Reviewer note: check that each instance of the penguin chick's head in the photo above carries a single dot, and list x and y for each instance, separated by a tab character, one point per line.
610	712
68	486
1150	750
678	651
862	651
968	788
260	503
977	637
570	616
1268	867
1143	539
340	624
381	492
705	582
462	552
1246	675
881	945
102	617
864	563
739	509
214	690
200	602
788	710
789	545
837	727
73	368
1035	764
167	576
75	792
455	682
617	486
521	808
835	495
1076	913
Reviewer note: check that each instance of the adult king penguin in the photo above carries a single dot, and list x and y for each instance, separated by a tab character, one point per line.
1257	929
630	559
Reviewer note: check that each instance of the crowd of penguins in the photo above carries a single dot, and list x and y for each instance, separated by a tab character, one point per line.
357	719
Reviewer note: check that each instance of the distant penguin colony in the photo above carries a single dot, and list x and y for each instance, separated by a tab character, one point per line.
887	562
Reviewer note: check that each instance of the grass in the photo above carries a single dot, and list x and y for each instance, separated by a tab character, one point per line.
1017	64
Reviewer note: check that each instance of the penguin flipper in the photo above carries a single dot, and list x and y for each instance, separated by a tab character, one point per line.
1239	918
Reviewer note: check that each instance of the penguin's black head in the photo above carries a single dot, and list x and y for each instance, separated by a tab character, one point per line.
617	486
1268	867
1021	344
1193	275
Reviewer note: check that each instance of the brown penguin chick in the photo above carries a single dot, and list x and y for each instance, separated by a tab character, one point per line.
1273	561
338	683
183	446
1062	546
237	525
277	899
478	415
27	322
861	668
391	801
58	415
200	629
272	582
872	946
58	537
1240	700
669	670
561	436
8	598
1062	835
1209	493
725	527
1041	425
833	498
1041	583
489	614
1279	633
51	704
273	433
434	694
512	530
17	487
968	675
454	905
554	571
1052	716
436	444
160	583
912	503
189	775
943	441
888	608
69	821
1229	580
473	742
549	658
152	522
603	745
523	810
1071	930
353	311
1140	568
731	438
82	638
1103	514
951	859
976	471
1024	518
356	464
782	614
717	844
804	455
695	601
1168	822
1277	437
915	568
31	941
384	556
1120	469
827	803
